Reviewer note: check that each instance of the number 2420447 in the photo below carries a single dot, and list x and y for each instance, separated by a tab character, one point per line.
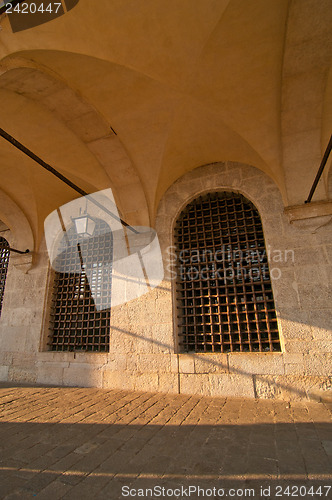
32	8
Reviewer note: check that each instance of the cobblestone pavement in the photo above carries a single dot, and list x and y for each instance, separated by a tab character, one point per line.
96	444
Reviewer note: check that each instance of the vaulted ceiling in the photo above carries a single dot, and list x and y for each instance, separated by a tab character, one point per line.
131	95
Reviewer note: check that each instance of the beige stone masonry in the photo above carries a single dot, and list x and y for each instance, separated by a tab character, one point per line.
311	210
144	352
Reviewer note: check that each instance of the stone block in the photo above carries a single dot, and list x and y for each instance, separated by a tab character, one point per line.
117	362
164	290
294	369
266	387
146	382
21	316
256	363
88	127
146	313
66	104
321	321
21	375
142	339
293	358
307	255
24	360
174	198
90	358
321	395
321	346
50	373
253	185
315	296
32	339
117	380
328	253
163	310
288	387
48	356
291	387
186	363
311	275
6	358
154	363
296	347
318	364
162	210
13	338
321	333
83	375
4	373
132	363
211	363
174	363
122	341
209	183
299	329
285	291
269	204
195	384
162	338
272	226
164	221
231	385
168	382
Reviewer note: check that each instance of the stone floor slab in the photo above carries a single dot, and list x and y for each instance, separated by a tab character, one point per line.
63	442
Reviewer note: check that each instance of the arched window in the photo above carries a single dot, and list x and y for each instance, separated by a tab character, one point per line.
224	293
80	317
4	260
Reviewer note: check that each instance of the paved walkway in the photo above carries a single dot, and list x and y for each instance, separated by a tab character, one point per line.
76	443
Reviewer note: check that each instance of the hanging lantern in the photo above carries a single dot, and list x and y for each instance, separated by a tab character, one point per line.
85	225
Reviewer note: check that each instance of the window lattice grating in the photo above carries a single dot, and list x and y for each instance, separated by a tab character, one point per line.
76	324
4	260
224	291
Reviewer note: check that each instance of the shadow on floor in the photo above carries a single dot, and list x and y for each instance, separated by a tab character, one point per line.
56	460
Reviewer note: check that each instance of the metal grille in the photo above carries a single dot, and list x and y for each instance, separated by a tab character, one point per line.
76	324
4	260
224	292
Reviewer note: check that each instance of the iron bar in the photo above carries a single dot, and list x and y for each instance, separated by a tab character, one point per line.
76	323
320	170
64	179
224	290
4	260
14	250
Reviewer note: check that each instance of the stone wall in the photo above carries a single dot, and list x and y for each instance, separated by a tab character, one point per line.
143	348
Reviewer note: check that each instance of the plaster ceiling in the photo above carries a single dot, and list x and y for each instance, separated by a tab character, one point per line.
181	84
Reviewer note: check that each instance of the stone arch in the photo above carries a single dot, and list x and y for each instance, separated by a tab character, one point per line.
249	181
39	84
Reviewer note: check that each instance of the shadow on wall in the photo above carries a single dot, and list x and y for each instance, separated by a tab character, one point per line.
259	380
